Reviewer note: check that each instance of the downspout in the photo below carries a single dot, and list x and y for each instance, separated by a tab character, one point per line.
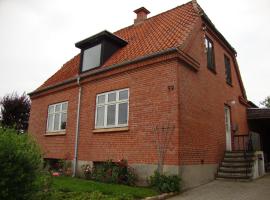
77	129
179	117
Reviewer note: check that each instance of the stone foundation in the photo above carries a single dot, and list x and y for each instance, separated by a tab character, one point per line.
195	175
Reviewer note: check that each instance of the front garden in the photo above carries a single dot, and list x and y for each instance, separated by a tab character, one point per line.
74	188
24	175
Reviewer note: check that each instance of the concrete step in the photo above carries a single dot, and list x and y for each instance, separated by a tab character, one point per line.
234	175
235	169
238	159
238	155
236	164
233	179
239	152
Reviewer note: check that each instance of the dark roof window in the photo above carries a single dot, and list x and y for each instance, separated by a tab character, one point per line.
91	57
96	49
228	72
210	54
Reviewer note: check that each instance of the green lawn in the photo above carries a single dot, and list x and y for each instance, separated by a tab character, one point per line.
69	188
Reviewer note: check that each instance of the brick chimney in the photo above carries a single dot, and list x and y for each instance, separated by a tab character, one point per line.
141	15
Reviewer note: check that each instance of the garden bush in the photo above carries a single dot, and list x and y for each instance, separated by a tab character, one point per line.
111	172
62	166
20	167
165	183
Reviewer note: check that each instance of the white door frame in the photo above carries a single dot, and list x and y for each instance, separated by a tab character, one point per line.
228	131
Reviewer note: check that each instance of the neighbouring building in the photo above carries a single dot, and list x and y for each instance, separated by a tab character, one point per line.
173	68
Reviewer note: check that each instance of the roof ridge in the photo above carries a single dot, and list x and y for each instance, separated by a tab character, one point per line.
177	7
197	7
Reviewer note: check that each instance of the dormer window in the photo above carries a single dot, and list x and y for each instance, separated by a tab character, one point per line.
91	57
96	50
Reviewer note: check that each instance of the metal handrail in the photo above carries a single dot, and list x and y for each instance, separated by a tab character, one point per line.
244	143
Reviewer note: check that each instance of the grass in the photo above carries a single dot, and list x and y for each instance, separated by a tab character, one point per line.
75	185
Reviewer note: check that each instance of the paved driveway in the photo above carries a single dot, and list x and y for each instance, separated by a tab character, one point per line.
224	190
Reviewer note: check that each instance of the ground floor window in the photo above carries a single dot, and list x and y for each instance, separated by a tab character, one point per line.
112	109
57	117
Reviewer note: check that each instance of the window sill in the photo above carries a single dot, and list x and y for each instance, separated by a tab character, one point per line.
104	130
55	133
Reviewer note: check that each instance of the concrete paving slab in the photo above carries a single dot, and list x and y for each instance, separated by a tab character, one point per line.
229	190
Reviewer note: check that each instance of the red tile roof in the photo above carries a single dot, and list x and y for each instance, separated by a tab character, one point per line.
163	31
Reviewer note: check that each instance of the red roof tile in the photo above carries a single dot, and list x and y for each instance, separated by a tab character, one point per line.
163	31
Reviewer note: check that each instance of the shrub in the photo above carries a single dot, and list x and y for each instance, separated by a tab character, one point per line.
53	164
43	186
20	166
61	166
87	171
165	183
15	111
111	172
131	176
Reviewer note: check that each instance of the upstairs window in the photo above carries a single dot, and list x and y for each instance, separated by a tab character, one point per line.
112	109
91	57
57	117
228	73
210	54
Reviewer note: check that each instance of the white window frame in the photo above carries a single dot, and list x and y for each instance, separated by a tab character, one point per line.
116	103
61	112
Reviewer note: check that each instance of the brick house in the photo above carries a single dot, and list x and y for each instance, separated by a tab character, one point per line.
174	67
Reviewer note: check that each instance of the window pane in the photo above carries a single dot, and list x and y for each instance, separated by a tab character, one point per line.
111	115
228	70
64	106
123	95
50	122
51	109
56	122
112	97
209	57
210	53
91	57
57	107
210	44
122	114
63	121
206	43
100	116
101	99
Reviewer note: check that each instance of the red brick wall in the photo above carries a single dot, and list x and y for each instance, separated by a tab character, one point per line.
61	146
202	98
150	104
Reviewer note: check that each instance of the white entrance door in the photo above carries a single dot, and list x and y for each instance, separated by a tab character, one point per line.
228	128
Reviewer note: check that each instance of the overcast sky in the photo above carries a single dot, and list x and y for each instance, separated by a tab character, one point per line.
37	36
